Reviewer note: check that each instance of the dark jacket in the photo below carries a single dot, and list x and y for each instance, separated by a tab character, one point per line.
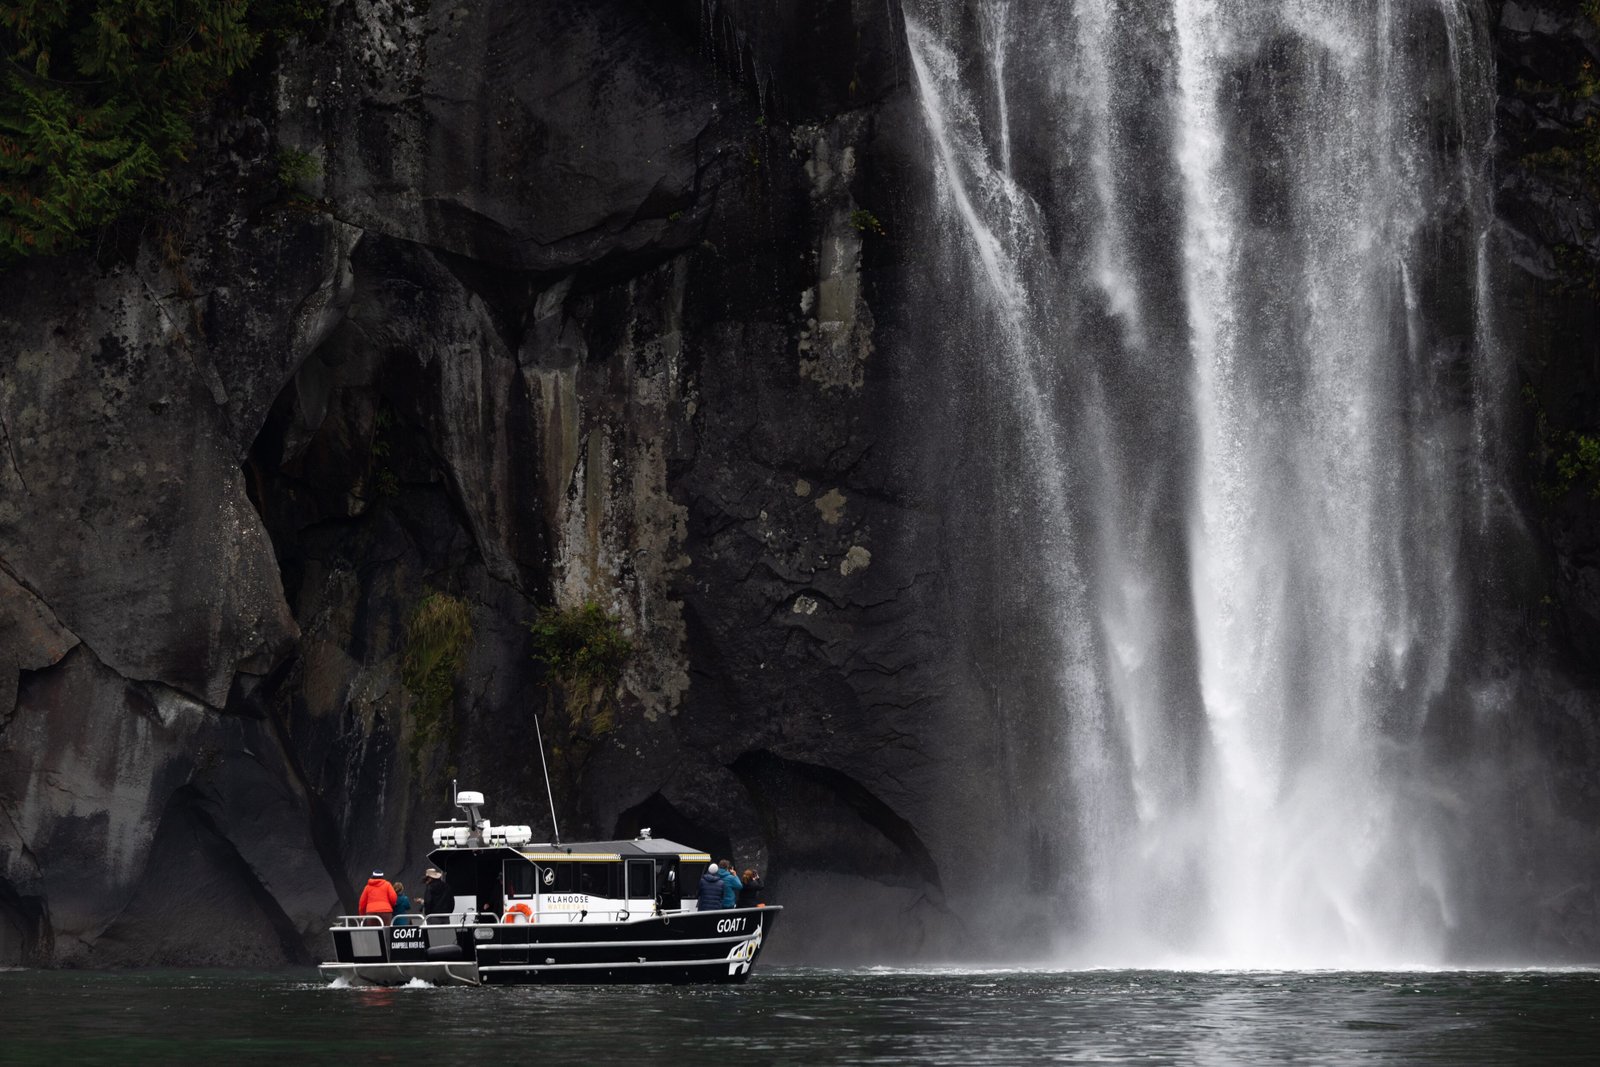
750	895
438	898
730	888
711	891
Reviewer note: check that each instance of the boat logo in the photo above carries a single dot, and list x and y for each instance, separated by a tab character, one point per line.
728	926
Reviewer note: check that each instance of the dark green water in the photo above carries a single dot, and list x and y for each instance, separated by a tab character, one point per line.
811	1016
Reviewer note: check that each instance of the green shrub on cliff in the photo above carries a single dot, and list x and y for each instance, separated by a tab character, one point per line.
98	99
865	222
436	640
296	168
1566	459
1574	460
586	651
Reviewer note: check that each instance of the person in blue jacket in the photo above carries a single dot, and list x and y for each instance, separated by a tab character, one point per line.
711	889
730	885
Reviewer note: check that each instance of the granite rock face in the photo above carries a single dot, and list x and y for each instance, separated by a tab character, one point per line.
575	309
587	302
1549	204
1547	260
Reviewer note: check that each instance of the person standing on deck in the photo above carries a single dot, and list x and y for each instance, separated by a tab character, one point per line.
711	889
730	885
750	895
402	905
437	896
378	898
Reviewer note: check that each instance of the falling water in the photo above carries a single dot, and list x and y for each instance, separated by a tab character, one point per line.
1227	261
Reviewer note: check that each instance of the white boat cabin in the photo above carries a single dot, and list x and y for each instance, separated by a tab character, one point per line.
608	881
498	874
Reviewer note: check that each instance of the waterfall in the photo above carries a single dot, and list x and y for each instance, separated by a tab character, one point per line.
1222	270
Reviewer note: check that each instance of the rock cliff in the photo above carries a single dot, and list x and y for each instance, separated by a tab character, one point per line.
1547	53
573	308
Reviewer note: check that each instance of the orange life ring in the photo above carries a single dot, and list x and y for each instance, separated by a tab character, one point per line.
517	909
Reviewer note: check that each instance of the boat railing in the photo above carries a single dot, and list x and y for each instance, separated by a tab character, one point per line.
489	918
442	918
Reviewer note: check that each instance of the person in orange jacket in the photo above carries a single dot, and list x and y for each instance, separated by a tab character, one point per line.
378	898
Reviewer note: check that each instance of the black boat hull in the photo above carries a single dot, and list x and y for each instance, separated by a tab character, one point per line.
678	948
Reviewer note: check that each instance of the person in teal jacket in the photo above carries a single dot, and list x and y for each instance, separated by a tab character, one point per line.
402	904
730	884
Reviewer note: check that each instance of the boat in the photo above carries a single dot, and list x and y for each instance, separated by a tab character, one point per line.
526	913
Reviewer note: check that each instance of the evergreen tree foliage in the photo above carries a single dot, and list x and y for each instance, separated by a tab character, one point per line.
98	98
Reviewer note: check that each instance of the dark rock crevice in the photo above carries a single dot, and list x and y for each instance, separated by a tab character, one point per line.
11	454
26	936
818	818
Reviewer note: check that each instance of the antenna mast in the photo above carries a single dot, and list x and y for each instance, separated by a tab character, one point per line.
554	829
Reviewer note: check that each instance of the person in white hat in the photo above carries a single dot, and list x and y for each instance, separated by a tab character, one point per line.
711	889
378	898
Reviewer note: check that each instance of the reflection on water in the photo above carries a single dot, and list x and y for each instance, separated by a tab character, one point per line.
370	997
816	1016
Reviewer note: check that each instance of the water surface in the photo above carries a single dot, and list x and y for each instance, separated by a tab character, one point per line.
813	1016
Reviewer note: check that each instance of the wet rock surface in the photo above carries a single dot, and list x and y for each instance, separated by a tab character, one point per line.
1548	247
576	301
1547	54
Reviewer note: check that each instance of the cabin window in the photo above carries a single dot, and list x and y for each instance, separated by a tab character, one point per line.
595	879
641	879
566	880
519	879
600	879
